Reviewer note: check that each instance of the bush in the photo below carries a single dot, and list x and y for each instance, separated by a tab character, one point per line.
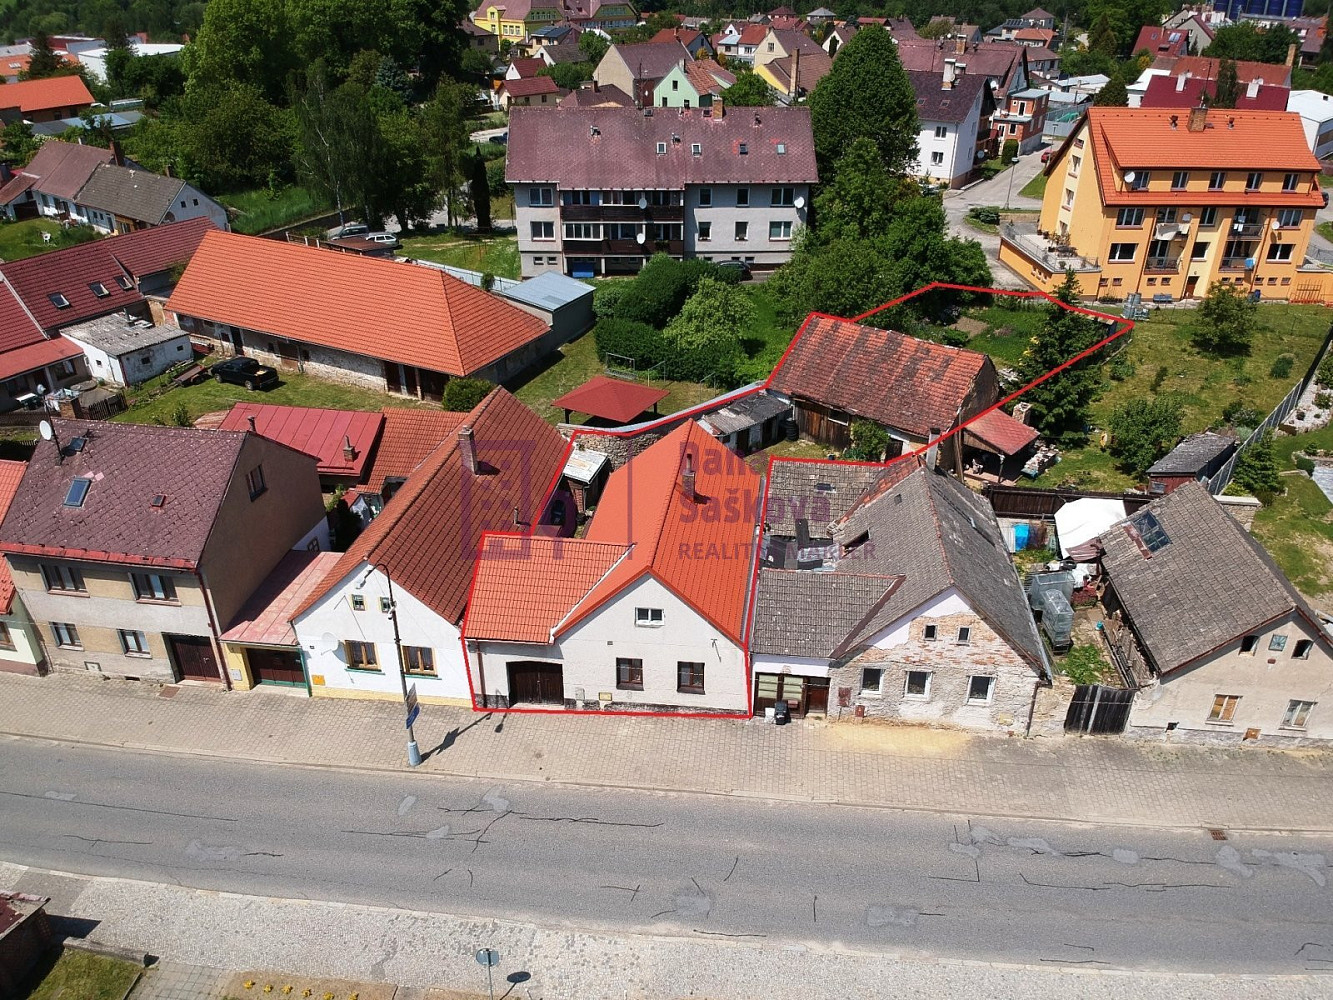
1305	465
869	441
1084	664
1323	400
984	213
1324	373
1257	472
953	338
1121	368
1238	414
495	178
461	394
1282	365
1009	152
1159	378
661	288
645	345
606	299
180	416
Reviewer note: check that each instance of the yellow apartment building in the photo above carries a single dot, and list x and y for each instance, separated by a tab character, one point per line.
1166	201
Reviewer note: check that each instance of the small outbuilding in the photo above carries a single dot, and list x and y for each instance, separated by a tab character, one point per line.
610	400
1199	456
126	350
562	302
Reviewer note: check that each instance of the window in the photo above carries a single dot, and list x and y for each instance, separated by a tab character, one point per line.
779	230
63	579
1140	181
125	282
689	677
1280	252
917	685
540	196
930	632
705	232
1069	197
582	231
1297	713
629	674
1217	180
543	230
782	149
705	197
743	149
1200	250
1074	163
1290	182
1289	218
1224	708
1253	180
1158	250
1129	218
58	300
98	289
936	158
871	680
784	196
1208	217
742	231
254	481
1302	650
648	617
675	85
134	643
965	633
6	640
419	659
661	146
980	688
696	149
1166	214
1123	251
77	492
358	602
66	635
941	131
742	197
386	606
1180	180
360	655
153	587
1277	643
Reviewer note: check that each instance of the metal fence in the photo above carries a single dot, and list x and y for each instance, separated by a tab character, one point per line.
500	285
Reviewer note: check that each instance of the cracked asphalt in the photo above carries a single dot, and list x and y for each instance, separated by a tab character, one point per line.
623	862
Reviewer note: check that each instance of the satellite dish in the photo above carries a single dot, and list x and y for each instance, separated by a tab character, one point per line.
328	643
640	238
45	429
800	201
1130	176
643	203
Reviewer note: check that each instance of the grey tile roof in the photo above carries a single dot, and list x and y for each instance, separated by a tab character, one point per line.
798	489
1211	584
135	194
1193	454
746	412
935	104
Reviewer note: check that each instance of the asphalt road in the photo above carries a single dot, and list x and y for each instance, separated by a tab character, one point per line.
622	861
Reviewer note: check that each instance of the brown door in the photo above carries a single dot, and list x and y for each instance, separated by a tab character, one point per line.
410	385
237	341
536	683
275	666
289	356
432	385
816	696
193	656
1191	284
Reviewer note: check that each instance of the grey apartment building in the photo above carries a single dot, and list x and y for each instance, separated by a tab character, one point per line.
600	190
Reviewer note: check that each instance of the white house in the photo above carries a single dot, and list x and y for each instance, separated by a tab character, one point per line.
646	612
495	472
954	111
1316	111
129	351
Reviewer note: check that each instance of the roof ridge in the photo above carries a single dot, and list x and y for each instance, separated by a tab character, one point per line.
573	610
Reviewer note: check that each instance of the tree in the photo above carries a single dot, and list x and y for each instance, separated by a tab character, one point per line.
1257	471
445	133
339	146
869	442
866	94
1245	41
568	76
1228	86
860	199
390	76
1102	39
1142	431
231	138
593	46
479	188
19	143
705	337
1225	321
462	394
749	91
1113	94
44	62
246	42
1060	403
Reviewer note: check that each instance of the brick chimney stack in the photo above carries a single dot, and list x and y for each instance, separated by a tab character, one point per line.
687	479
1198	118
467	448
349	452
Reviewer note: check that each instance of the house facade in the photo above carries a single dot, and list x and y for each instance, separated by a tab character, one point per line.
600	190
20	644
954	114
1225	197
1316	111
638	69
121	199
134	543
1021	119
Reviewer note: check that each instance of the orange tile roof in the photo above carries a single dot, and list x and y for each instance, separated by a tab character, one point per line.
700	549
428	534
265	620
407	313
408	437
11	473
526	586
611	398
1208	67
50	93
1001	431
1143	139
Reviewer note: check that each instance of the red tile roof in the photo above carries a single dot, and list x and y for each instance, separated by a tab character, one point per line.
429	533
701	549
402	312
1168	41
903	383
49	94
525	587
37	355
1002	432
611	398
17	327
527	68
322	434
265	620
11	473
408	437
1169	92
60	168
531	87
686	36
1208	67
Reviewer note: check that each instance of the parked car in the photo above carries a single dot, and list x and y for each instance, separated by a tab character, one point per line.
386	239
1046	156
500	139
736	265
245	371
348	229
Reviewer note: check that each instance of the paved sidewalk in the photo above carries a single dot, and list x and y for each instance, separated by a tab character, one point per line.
1094	780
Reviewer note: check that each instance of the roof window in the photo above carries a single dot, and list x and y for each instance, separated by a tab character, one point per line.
125	281
1147	533
98	289
744	149
160	500
58	300
661	148
696	149
77	492
782	149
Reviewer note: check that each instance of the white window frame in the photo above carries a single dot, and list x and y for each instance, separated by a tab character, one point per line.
876	691
990	689
649	617
907	680
1298	712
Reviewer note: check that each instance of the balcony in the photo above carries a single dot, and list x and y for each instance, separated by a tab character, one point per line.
1234	263
1045	251
1163	265
622	213
629	248
1246	230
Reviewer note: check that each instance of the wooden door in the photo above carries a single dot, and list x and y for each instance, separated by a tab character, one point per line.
237	340
536	683
275	666
816	696
193	656
432	385
289	355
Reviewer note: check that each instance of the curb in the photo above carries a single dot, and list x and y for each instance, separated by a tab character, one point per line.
737	793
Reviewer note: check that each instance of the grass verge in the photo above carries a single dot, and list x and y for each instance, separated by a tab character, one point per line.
29	237
497	255
79	975
260	210
1297	529
1035	188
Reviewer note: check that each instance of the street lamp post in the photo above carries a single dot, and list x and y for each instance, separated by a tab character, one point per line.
413	752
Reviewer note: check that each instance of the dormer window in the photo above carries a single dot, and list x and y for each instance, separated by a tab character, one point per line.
98	289
58	300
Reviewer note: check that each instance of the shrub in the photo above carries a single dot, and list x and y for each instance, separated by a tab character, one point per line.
461	394
495	178
1121	368
869	441
661	288
1324	373
1323	400
1256	470
1305	465
638	341
487	283
984	213
180	416
606	299
1282	365
1238	414
953	338
1159	378
1009	151
1084	664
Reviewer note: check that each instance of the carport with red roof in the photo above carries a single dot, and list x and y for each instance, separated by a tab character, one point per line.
611	399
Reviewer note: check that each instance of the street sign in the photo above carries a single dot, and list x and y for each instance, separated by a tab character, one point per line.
488	957
412	716
412	697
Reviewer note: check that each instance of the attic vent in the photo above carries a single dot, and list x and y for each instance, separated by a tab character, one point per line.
661	148
58	300
159	500
77	492
696	149
675	138
98	289
824	488
125	282
594	130
744	150
897	499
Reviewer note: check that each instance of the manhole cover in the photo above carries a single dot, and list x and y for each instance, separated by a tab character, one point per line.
1217	834
168	692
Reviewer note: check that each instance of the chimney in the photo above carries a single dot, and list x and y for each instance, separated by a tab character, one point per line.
950	69
6	172
117	154
933	451
349	452
959	45
687	479
1252	89
1291	55
795	72
251	420
1180	82
467	448
1198	118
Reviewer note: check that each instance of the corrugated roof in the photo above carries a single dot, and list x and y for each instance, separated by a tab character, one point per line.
11	473
611	398
397	311
321	434
409	435
265	620
549	290
45	94
899	381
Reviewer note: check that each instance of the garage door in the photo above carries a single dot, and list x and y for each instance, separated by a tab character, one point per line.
534	682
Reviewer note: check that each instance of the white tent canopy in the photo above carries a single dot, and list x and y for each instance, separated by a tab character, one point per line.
1079	522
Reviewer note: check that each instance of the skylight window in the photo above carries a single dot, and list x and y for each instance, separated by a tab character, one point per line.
696	149
125	282
58	300
745	149
98	289
78	492
160	500
782	149
1148	532
661	148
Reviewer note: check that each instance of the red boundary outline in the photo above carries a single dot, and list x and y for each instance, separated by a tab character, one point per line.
1123	326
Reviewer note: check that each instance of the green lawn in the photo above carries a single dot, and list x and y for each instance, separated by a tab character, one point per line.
24	239
295	390
1325	229
259	210
78	975
1297	530
1035	188
497	255
1009	326
1204	385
